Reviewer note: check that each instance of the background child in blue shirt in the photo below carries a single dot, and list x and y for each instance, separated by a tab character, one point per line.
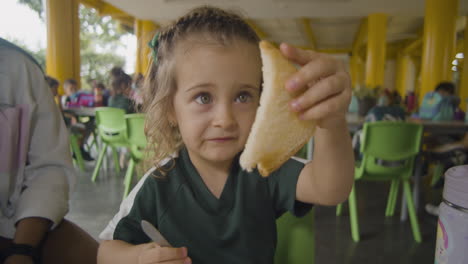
201	96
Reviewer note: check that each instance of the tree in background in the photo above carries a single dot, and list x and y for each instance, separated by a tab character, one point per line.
39	55
99	38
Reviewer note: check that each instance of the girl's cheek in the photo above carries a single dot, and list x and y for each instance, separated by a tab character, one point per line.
199	108
250	106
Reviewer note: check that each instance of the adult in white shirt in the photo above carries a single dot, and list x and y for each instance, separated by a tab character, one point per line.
36	171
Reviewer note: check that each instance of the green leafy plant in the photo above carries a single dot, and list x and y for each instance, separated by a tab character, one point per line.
364	91
367	98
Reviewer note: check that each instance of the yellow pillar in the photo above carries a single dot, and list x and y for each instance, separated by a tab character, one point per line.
356	70
361	70
353	70
438	43
145	31
403	62
463	91
63	40
376	48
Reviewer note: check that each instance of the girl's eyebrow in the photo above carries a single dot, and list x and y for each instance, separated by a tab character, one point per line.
208	85
200	85
249	86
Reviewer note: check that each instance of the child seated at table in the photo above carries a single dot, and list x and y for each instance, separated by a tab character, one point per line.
101	95
444	157
439	105
70	88
120	85
71	121
54	84
137	90
386	109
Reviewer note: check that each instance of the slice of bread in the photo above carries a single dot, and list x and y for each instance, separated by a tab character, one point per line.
277	132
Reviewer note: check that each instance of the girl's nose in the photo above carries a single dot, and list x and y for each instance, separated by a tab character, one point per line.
224	117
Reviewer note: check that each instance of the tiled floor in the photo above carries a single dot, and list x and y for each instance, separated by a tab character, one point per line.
383	240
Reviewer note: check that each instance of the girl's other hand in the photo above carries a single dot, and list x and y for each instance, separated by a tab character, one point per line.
154	253
323	84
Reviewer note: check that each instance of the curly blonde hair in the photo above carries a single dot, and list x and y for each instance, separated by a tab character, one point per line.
163	136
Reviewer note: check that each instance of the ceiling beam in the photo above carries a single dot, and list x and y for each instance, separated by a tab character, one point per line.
329	51
392	51
360	37
105	9
261	34
308	32
413	46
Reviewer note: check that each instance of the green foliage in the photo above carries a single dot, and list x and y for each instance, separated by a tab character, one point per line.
35	5
102	32
364	91
39	55
97	66
99	39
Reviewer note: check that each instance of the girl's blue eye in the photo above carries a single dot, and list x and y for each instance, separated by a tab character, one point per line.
244	97
203	98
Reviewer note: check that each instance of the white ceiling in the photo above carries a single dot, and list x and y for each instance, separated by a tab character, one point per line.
334	23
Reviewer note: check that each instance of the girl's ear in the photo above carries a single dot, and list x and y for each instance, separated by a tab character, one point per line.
172	121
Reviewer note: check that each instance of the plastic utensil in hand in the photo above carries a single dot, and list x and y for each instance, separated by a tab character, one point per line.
154	234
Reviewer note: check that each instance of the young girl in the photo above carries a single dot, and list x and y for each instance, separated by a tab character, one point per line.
202	93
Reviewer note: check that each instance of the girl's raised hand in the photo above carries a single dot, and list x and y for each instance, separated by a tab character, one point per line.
324	86
153	253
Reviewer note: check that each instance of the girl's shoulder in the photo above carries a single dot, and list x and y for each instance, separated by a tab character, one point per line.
290	170
165	174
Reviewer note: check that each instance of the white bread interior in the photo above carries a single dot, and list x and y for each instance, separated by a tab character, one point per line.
277	133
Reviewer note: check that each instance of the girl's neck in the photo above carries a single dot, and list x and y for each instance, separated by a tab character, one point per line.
213	174
211	169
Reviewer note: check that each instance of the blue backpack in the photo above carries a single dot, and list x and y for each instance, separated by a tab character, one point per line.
436	107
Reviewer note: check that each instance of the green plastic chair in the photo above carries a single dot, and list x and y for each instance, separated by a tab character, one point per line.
389	141
437	173
136	139
112	129
75	148
296	241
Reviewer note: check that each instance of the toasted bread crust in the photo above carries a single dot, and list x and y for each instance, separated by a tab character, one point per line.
277	132
266	168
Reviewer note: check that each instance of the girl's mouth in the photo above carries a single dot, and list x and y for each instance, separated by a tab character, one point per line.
221	139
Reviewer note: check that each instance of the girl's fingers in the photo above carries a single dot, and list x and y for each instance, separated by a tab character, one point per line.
320	91
298	56
161	254
323	82
328	107
311	73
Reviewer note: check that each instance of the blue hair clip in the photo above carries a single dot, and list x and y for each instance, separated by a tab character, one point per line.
153	44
